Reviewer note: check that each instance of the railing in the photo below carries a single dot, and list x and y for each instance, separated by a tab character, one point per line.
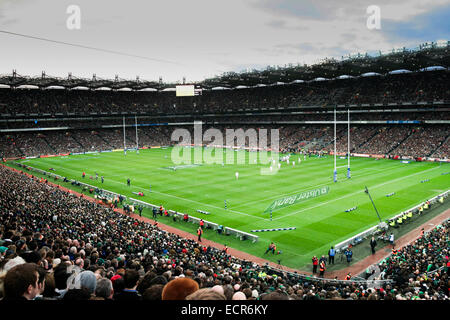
312	278
363	235
109	194
241	234
238	233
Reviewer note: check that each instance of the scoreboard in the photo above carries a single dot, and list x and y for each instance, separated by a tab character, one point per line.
187	90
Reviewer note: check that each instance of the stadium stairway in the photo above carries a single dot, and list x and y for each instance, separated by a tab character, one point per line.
439	146
410	133
106	141
368	140
310	144
21	153
49	145
339	134
146	134
74	139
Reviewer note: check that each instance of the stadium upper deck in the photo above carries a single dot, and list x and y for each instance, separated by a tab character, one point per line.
408	88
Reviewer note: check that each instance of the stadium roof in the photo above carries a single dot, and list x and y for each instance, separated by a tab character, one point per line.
432	55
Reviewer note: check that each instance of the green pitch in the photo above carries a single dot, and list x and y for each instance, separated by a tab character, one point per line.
320	222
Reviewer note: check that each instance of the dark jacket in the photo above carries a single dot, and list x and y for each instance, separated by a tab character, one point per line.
128	295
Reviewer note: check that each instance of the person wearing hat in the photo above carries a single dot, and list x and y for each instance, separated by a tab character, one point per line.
3	251
20	246
86	280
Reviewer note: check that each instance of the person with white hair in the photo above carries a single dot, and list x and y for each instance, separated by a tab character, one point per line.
72	251
104	289
86	280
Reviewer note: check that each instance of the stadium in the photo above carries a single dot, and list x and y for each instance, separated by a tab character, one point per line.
320	181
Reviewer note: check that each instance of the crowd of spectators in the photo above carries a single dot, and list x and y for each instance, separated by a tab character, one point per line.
443	151
408	88
422	268
56	245
396	140
423	142
386	140
13	145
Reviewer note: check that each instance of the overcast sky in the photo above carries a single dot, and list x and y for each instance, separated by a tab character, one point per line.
199	39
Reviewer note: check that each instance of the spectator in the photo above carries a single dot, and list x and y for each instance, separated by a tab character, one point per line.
129	293
153	293
104	290
179	289
22	282
77	295
86	280
61	276
206	294
275	296
239	296
162	258
49	292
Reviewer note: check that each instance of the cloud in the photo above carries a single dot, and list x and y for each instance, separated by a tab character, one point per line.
428	26
306	9
303	49
284	25
206	36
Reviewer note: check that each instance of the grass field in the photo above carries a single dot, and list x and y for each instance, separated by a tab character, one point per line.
320	222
